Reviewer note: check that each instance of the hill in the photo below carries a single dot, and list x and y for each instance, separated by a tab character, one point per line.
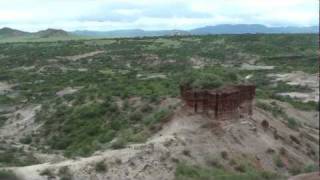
51	33
12	35
8	32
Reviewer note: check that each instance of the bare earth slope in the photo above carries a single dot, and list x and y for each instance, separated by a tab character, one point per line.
193	138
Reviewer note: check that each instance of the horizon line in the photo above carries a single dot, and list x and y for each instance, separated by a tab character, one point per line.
51	28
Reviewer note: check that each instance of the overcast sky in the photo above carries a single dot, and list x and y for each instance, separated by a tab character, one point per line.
103	15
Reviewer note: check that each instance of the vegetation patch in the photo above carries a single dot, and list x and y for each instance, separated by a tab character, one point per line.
8	175
188	172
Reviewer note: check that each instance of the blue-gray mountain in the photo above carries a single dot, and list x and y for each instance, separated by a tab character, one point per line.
218	29
253	28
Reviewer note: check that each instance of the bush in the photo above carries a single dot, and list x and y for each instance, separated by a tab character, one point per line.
186	152
136	116
107	137
47	172
213	162
64	173
101	167
146	108
240	168
3	119
224	154
278	162
311	168
119	143
141	136
183	170
292	123
26	140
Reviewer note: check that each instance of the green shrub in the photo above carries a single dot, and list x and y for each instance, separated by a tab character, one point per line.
186	152
3	119
213	162
311	168
119	143
136	116
64	173
141	136
26	140
16	157
101	166
278	162
47	172
292	123
224	154
107	137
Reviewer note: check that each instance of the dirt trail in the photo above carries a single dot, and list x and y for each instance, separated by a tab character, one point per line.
82	56
310	176
68	90
187	137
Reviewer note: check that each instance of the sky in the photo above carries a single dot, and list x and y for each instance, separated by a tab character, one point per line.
105	15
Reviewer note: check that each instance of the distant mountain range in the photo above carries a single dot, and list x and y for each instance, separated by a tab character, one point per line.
131	33
6	33
219	29
252	29
49	33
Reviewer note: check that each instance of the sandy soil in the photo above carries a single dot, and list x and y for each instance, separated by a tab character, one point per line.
151	76
20	123
255	67
193	133
68	90
198	62
5	87
310	176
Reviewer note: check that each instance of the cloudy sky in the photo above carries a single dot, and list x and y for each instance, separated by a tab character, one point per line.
103	15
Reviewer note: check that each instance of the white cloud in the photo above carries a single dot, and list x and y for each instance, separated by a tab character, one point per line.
33	15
